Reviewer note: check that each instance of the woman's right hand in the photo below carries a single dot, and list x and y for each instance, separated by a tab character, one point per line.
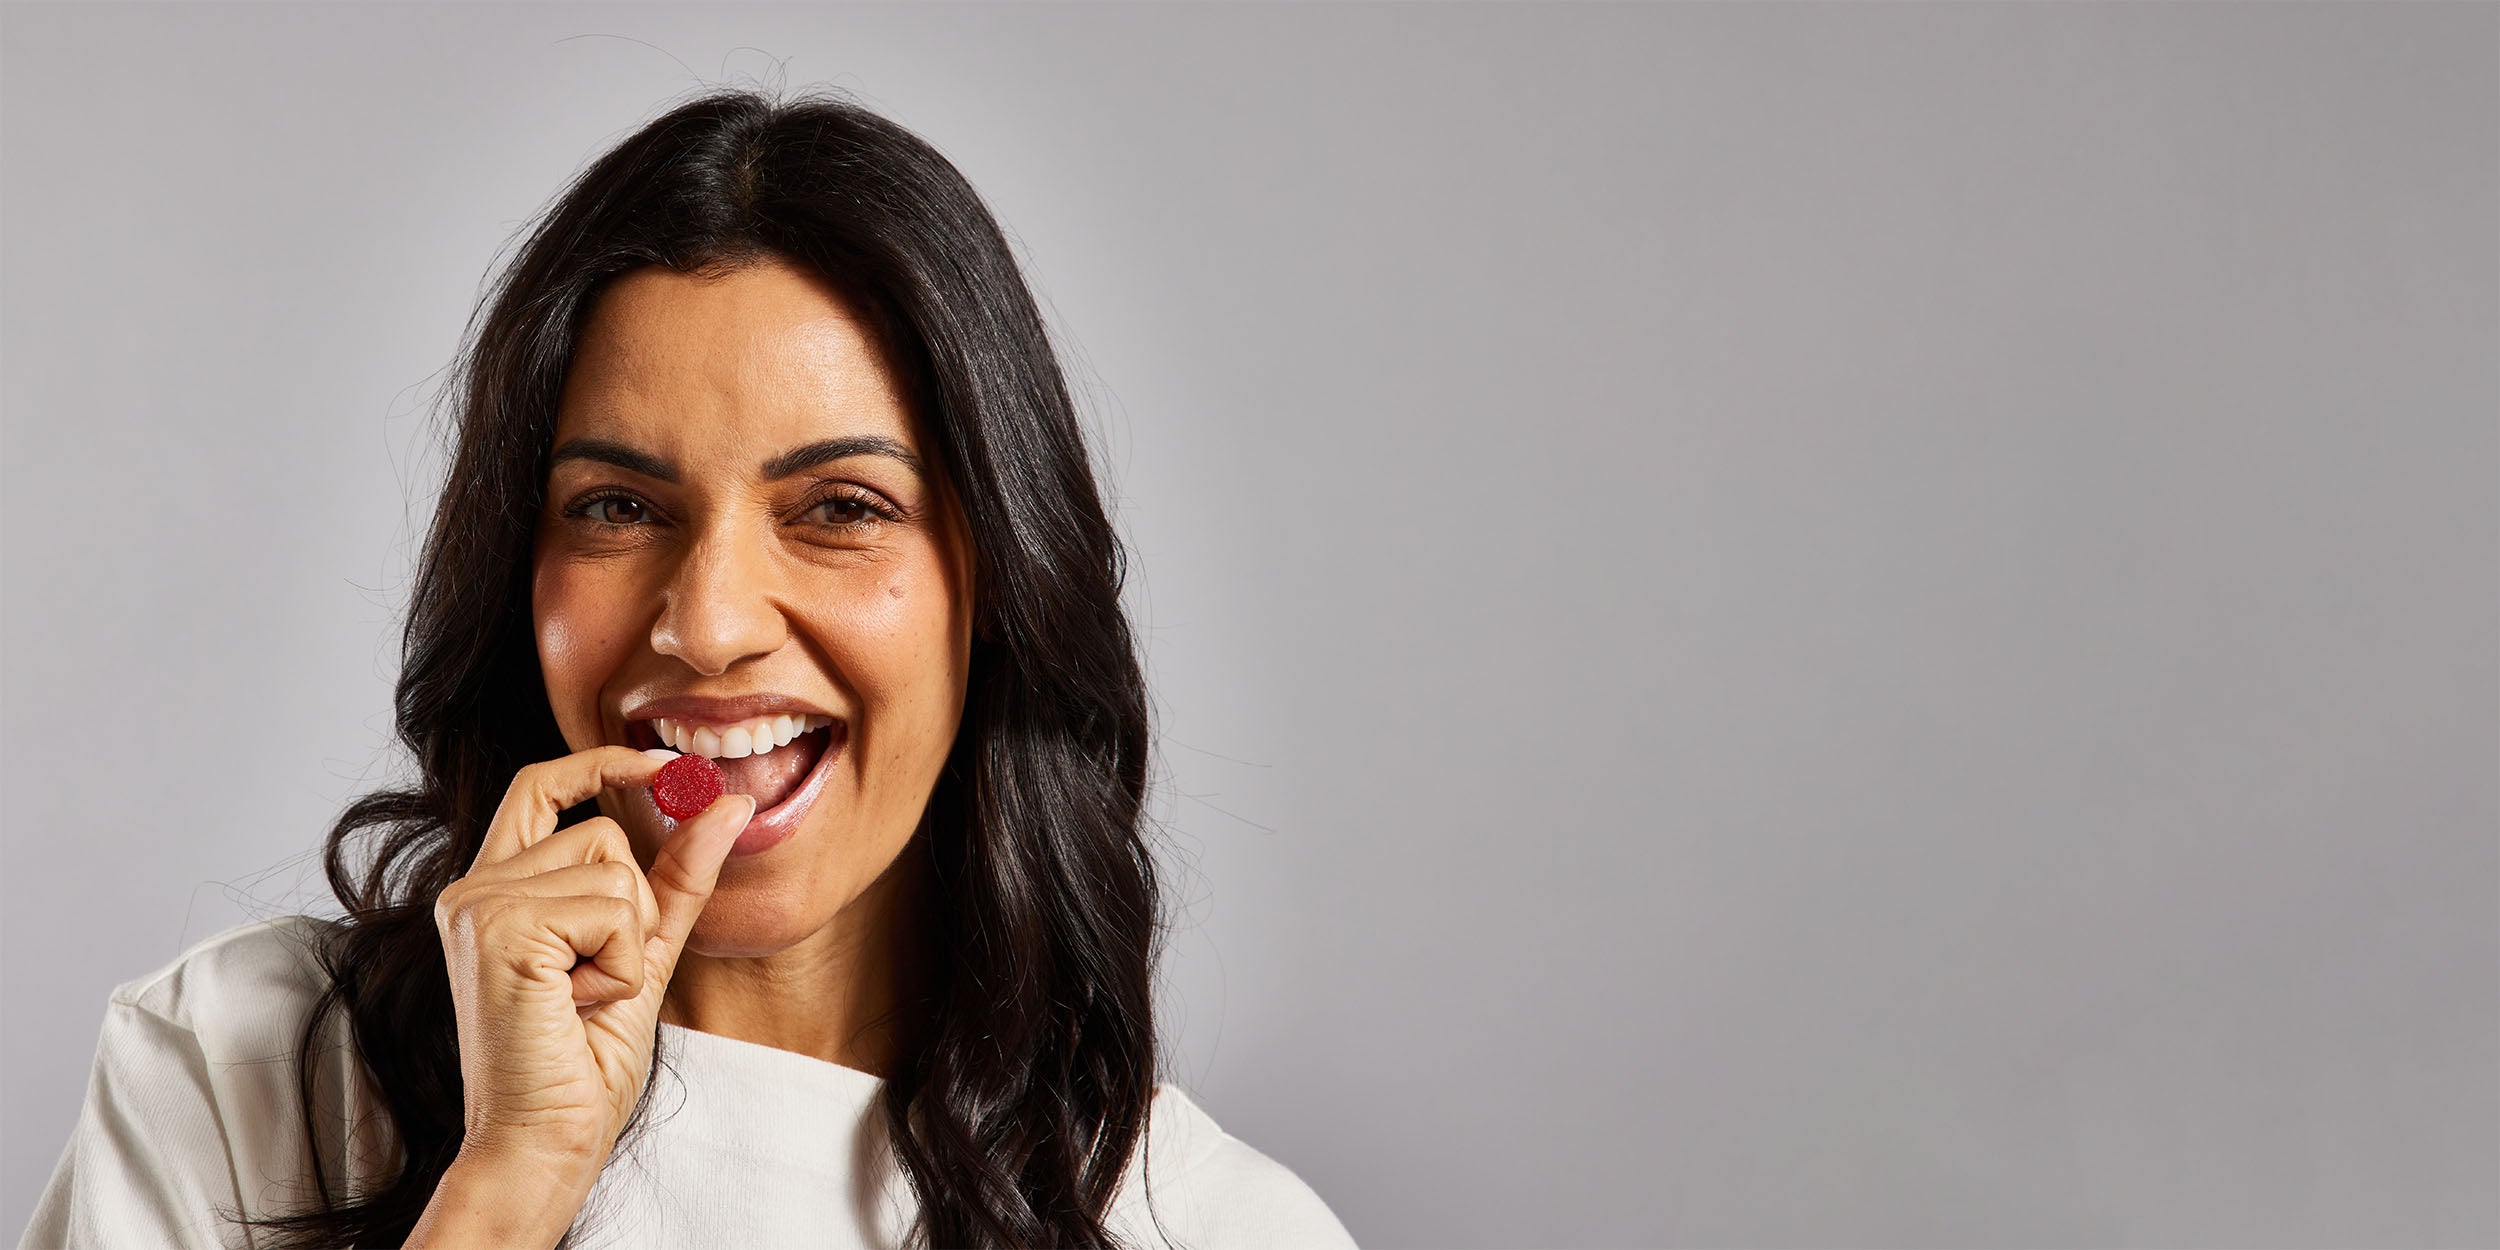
560	948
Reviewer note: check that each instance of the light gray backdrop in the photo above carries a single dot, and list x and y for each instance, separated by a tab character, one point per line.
1774	624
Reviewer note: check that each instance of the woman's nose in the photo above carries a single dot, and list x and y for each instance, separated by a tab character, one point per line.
718	607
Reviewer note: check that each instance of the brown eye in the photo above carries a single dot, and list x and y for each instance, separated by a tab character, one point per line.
849	511
615	510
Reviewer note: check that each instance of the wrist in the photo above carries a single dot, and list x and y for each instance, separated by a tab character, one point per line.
493	1198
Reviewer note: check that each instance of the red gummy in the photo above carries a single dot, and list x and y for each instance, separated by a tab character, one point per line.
687	785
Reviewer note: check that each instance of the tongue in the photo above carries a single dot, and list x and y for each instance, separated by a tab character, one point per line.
773	776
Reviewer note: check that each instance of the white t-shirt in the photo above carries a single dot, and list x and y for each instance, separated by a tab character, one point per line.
193	1109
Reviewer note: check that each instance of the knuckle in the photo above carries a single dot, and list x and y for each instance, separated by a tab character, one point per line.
488	914
462	919
590	835
618	879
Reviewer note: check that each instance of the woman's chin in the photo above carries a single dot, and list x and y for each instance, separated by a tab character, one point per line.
728	931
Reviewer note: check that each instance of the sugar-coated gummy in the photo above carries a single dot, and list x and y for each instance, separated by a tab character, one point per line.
687	785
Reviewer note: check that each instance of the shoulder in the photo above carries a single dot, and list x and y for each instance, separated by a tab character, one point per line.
192	1105
1210	1190
242	994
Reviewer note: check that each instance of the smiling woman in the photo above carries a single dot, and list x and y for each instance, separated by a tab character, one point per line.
737	478
763	456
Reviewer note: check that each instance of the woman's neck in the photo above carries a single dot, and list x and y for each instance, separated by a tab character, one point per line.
846	994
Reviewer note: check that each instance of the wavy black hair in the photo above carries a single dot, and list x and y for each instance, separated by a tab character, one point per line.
1016	1116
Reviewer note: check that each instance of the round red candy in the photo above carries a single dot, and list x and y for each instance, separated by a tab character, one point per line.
687	785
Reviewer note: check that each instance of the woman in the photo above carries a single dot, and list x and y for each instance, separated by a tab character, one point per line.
762	455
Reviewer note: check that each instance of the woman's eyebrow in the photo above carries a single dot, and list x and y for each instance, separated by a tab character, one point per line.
617	454
781	466
814	454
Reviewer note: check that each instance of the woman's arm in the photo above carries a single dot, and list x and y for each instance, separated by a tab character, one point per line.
496	1203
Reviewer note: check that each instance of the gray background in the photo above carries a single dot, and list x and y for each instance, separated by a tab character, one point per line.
1774	624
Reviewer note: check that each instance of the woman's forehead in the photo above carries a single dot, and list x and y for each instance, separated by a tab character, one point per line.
765	356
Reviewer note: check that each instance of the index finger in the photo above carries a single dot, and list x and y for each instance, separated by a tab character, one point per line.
540	793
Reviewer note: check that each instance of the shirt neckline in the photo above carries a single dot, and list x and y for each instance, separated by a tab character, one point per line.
786	1065
1179	1135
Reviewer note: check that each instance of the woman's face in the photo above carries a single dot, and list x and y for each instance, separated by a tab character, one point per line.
744	536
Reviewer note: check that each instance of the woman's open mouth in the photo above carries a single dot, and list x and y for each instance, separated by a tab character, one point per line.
782	761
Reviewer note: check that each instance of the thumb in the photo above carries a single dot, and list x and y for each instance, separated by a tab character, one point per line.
688	866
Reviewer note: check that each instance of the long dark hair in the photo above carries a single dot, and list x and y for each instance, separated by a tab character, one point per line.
1015	1118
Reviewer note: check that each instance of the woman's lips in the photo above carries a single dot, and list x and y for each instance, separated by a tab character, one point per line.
766	774
774	825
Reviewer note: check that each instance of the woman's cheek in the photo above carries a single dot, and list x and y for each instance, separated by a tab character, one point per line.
922	620
577	640
869	621
891	637
916	626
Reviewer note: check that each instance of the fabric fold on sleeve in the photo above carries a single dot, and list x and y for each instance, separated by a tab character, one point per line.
147	1164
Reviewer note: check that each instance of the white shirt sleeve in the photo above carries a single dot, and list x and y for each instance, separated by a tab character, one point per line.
194	1113
1240	1199
147	1164
1209	1190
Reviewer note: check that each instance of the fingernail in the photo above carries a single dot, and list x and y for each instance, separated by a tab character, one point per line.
659	753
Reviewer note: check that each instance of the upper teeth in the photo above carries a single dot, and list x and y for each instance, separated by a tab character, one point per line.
729	742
